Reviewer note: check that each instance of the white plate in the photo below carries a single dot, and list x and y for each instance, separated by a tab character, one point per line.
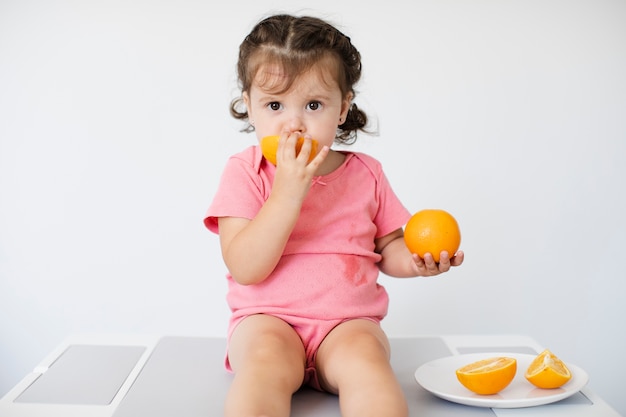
439	378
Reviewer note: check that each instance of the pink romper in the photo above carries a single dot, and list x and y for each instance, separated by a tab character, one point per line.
328	272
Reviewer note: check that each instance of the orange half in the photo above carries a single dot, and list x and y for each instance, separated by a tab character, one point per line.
269	146
488	376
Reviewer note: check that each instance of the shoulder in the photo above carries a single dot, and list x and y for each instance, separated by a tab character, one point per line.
251	156
367	162
250	161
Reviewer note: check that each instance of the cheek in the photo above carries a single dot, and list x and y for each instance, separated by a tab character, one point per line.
325	136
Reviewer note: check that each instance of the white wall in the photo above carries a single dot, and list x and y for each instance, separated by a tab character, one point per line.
114	128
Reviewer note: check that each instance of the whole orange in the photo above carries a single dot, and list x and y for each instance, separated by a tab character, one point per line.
269	146
432	231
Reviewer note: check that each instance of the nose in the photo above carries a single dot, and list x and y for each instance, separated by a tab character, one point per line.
295	123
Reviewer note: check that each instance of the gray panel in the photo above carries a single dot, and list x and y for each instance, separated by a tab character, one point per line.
84	374
184	376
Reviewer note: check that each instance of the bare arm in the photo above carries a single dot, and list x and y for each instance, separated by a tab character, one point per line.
252	248
398	261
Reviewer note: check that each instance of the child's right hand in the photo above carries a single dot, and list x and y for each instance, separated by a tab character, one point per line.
294	172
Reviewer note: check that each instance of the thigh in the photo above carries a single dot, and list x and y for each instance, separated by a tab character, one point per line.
350	349
354	361
262	338
267	357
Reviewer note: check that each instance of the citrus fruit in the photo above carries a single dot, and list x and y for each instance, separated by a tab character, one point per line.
269	146
432	231
547	371
488	376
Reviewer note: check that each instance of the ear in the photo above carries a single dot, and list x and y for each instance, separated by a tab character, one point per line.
246	101
345	106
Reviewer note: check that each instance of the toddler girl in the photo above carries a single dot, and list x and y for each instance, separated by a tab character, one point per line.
304	241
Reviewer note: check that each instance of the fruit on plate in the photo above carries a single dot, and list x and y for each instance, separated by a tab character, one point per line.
488	376
432	231
269	146
547	371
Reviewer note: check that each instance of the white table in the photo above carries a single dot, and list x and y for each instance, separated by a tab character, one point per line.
149	375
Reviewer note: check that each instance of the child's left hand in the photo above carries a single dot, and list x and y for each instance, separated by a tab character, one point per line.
427	267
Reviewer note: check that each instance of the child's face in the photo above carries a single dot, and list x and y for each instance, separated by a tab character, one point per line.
313	105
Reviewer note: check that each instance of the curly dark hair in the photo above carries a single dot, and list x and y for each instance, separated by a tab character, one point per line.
295	44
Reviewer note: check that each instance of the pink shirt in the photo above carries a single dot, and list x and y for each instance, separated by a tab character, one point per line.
329	268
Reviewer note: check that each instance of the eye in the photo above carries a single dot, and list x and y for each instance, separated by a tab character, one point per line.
314	105
274	105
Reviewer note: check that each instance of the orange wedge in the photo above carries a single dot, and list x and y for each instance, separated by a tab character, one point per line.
547	371
488	376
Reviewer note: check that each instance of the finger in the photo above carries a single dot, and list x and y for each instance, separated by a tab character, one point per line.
286	146
319	158
419	262
430	264
458	258
418	265
290	144
305	150
280	149
444	261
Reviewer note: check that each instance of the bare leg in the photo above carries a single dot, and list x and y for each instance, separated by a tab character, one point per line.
268	359
353	361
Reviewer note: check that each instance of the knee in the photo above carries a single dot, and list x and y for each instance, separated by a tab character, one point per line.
261	342
272	358
356	345
368	346
270	346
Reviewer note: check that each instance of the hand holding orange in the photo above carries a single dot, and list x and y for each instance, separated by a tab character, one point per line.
432	231
269	146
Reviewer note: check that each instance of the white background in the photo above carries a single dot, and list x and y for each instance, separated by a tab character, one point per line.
114	129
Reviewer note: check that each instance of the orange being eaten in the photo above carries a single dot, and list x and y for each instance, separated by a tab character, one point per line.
269	146
547	371
488	376
432	231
